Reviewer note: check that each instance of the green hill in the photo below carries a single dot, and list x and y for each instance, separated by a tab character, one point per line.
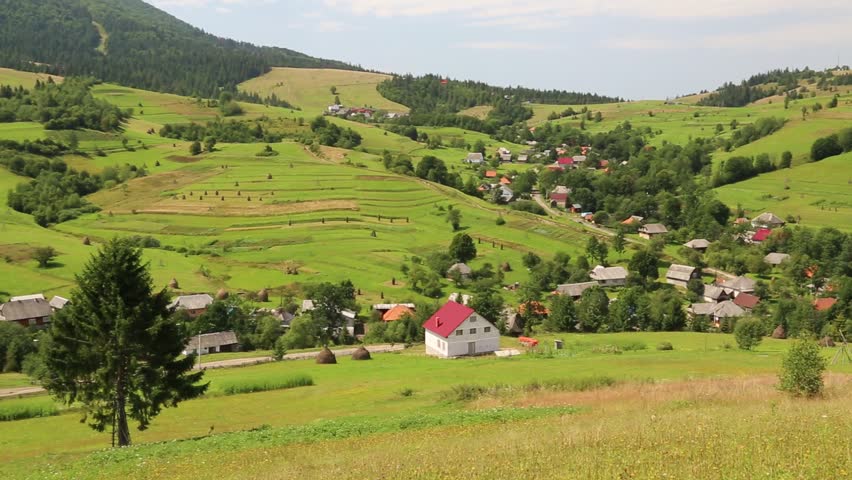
134	44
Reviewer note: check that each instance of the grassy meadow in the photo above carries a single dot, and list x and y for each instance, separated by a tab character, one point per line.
310	88
662	394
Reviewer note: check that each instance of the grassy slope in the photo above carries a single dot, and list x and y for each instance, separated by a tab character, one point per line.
812	191
377	384
309	88
24	79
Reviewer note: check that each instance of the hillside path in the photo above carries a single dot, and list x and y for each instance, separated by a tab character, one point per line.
19	391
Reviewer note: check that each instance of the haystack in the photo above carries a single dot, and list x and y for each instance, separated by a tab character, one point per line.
826	341
326	357
361	354
222	294
779	332
263	296
87	241
173	284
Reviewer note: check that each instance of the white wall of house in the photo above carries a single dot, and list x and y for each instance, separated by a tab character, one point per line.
676	282
482	334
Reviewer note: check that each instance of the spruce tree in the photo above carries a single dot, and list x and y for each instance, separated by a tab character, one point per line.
114	348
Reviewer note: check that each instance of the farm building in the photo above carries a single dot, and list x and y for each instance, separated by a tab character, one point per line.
461	268
738	285
491	174
457	330
715	294
30	311
652	230
760	235
746	301
823	304
58	303
633	220
767	220
506	194
698	244
384	308
574	290
776	259
716	311
398	313
565	162
475	158
35	296
609	276
194	305
680	275
559	196
212	343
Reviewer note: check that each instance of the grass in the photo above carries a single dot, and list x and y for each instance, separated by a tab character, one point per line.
264	386
819	193
310	88
19	409
25	79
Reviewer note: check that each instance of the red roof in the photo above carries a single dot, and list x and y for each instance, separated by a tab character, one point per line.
505	181
566	161
761	235
491	174
823	304
747	300
448	318
396	313
604	163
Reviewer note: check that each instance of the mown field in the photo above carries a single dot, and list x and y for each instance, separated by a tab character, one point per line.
601	404
820	193
310	88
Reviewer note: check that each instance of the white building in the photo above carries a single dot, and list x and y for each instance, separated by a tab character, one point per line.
456	330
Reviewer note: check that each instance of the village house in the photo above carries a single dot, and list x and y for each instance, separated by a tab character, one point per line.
27	311
383	308
738	285
824	304
505	155
652	230
746	301
398	313
523	158
715	312
457	330
776	259
474	158
194	305
349	318
574	290
698	244
715	294
565	162
576	207
506	194
212	343
609	276
579	159
633	220
680	275
767	220
759	236
559	196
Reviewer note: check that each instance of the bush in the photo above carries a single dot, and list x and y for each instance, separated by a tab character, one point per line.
12	410
608	349
501	220
406	392
633	346
801	370
748	332
665	346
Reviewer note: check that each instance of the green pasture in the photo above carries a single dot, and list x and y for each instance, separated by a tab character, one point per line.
820	193
24	79
310	88
377	385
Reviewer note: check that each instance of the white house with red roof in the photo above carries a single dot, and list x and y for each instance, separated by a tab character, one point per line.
456	330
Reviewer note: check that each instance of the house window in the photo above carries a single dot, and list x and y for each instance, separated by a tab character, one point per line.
473	331
487	329
31	322
472	318
459	333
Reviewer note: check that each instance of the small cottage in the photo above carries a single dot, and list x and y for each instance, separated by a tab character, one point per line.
652	230
698	244
767	220
212	343
194	305
680	275
609	276
738	285
574	290
776	259
27	312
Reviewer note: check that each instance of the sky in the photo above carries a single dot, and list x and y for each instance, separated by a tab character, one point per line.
635	49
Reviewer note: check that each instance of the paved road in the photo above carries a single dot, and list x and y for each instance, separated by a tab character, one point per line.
18	391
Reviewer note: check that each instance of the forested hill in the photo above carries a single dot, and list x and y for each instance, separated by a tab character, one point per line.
774	82
142	47
432	94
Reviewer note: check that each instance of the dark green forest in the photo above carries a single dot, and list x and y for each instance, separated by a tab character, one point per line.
66	106
786	82
146	48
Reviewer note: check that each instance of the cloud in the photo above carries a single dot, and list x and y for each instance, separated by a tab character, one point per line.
223	10
585	8
218	5
501	45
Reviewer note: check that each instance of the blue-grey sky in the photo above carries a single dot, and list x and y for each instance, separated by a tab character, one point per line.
635	49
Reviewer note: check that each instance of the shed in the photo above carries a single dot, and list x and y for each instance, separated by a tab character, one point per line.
212	343
776	259
767	220
698	244
652	230
574	290
609	276
680	275
194	305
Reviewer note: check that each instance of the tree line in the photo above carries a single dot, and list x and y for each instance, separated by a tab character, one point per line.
65	106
